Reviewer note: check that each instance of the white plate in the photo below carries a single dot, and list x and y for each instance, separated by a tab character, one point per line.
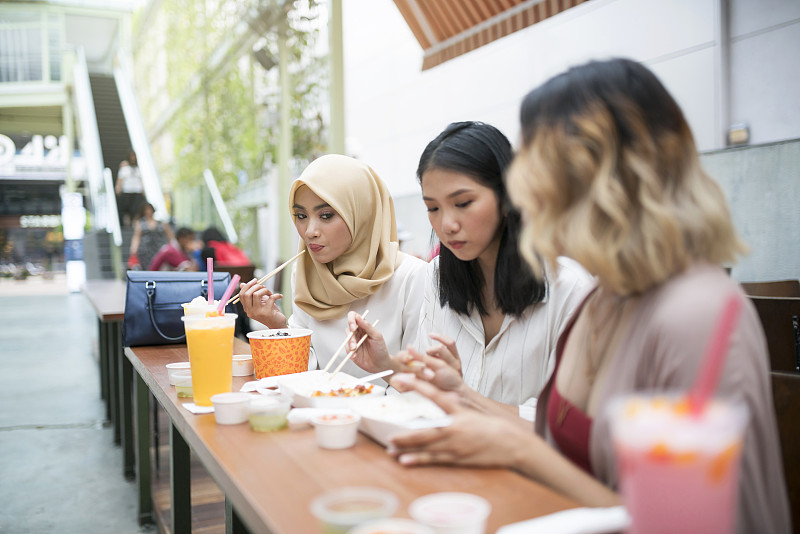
392	414
300	386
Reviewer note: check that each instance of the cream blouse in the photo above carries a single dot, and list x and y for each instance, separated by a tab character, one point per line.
517	362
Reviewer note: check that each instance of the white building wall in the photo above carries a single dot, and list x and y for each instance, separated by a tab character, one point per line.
393	108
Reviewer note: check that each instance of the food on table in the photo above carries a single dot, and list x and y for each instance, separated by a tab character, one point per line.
360	389
267	423
268	414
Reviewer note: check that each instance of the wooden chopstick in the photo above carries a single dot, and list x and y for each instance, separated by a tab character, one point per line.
336	354
263	279
352	352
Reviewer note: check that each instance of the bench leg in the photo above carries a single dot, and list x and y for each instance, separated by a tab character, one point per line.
113	349
142	423
126	409
233	523
180	483
102	357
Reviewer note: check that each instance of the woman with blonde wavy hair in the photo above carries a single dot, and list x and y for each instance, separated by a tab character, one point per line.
608	174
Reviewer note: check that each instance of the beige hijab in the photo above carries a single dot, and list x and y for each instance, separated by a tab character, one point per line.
358	195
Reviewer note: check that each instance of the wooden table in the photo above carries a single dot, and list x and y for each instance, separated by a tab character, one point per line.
107	297
270	479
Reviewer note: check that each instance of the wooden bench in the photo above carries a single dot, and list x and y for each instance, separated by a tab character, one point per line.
773	288
780	317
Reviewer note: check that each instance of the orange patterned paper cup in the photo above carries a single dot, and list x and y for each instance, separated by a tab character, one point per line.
280	351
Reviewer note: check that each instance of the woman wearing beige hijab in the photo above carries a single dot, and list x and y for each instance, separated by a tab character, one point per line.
345	217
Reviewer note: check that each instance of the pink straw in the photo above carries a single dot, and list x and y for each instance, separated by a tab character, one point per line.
228	291
210	269
706	382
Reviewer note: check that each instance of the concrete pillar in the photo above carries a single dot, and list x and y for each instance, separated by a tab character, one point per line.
336	141
285	228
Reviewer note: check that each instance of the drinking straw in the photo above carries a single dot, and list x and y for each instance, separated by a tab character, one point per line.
711	368
228	291
210	269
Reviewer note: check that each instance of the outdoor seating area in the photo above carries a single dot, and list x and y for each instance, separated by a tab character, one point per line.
399	267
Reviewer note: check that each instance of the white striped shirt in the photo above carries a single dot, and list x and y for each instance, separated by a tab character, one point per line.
515	365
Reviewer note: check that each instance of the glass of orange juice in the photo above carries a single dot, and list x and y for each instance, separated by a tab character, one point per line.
210	343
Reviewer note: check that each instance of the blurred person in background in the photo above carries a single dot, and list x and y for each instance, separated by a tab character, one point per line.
149	235
224	253
129	189
178	255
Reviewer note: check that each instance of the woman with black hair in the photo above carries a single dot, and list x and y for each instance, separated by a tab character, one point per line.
494	326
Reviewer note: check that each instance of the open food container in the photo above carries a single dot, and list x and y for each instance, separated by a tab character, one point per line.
382	418
315	389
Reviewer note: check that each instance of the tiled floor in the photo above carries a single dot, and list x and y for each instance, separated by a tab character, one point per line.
59	468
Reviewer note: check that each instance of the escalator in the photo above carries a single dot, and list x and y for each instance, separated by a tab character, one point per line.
115	144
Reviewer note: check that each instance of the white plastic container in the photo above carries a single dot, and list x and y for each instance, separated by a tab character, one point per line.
392	525
231	408
243	365
452	512
268	413
336	430
183	383
341	509
176	367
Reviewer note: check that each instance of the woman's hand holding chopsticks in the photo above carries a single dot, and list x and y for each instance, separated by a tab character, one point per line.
259	304
372	355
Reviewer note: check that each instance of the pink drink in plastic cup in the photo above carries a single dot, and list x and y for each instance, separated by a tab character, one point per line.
678	472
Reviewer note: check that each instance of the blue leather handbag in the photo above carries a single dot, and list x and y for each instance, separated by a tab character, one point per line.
153	304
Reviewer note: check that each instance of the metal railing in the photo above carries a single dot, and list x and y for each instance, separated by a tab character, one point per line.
89	135
139	139
222	210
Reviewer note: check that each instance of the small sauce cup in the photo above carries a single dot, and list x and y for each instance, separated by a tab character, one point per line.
268	414
231	408
243	365
341	509
176	367
452	512
392	526
183	383
336	430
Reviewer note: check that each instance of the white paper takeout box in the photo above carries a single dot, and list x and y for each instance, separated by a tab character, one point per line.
382	418
301	386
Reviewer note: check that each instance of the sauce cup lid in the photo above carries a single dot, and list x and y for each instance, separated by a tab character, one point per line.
230	398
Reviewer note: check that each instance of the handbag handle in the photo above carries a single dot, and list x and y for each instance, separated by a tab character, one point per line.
150	290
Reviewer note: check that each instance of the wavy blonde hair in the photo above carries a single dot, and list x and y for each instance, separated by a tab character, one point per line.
609	175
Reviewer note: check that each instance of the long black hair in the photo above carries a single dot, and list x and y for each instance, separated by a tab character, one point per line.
482	152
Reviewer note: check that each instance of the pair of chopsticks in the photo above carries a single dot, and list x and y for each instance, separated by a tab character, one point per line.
352	352
335	354
263	279
349	354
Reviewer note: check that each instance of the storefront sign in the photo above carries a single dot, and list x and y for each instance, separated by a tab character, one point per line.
37	157
39	221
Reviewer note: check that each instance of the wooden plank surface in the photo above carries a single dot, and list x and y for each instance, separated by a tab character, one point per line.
271	478
107	297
